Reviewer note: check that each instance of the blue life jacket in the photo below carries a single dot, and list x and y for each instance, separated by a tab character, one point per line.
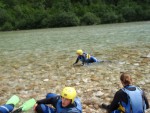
77	109
136	103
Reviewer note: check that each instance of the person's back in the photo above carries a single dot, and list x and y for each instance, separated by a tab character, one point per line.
136	103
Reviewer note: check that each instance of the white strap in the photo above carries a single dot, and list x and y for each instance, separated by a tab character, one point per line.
5	108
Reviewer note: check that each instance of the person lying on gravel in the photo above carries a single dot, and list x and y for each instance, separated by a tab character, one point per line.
67	102
85	58
129	99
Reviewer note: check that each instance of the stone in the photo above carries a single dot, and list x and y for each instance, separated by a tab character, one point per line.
98	94
46	80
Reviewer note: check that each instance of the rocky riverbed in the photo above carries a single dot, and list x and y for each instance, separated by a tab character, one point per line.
32	73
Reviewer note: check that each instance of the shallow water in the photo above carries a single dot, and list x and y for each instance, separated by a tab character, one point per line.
34	62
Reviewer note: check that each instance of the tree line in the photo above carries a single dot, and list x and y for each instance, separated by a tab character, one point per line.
33	14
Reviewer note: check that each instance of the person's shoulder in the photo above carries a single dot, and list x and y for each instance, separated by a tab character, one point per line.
120	92
74	110
77	100
56	98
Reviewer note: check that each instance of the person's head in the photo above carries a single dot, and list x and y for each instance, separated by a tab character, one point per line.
125	79
68	95
79	52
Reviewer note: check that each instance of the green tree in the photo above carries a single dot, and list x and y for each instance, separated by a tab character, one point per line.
29	14
110	17
7	27
64	19
89	19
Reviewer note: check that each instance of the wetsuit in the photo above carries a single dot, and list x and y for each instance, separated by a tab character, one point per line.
6	108
121	96
55	101
86	58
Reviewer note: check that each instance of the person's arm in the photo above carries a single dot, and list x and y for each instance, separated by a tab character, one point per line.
52	101
119	96
114	104
76	60
146	100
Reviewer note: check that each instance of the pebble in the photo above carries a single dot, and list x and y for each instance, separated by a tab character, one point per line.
46	80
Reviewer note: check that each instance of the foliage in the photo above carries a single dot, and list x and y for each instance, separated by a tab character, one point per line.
110	17
89	19
7	26
64	19
31	14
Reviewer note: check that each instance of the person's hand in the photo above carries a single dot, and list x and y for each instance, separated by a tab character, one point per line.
34	107
104	106
82	64
74	64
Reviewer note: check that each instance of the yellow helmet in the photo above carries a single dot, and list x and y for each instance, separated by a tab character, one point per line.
69	93
80	52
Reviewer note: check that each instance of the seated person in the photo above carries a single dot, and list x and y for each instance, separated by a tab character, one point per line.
129	99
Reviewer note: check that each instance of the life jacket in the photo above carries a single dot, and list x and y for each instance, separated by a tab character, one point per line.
87	56
136	103
77	108
84	57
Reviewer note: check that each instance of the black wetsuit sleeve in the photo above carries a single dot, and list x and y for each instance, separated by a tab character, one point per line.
119	96
114	104
76	60
53	101
82	57
146	100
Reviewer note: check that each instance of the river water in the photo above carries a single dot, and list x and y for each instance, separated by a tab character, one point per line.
35	62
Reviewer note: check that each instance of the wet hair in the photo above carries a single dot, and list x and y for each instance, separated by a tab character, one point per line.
126	78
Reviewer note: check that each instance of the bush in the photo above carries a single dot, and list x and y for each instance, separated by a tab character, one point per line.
146	15
89	19
79	10
47	21
7	27
110	17
20	24
64	19
99	9
3	16
28	17
129	13
63	5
